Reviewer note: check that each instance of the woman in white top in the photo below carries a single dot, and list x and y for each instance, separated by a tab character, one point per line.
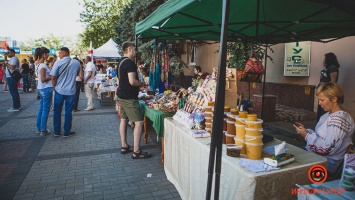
45	89
50	62
334	131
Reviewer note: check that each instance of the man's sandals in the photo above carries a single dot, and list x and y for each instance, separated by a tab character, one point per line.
140	154
125	150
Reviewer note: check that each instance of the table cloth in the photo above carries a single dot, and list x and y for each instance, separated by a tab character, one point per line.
186	166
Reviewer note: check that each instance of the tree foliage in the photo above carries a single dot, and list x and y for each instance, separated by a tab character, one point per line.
132	13
239	53
100	18
50	41
135	12
75	45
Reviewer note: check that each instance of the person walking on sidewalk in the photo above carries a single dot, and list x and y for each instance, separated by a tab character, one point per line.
89	74
1	74
63	74
24	70
12	65
78	86
4	77
45	90
127	94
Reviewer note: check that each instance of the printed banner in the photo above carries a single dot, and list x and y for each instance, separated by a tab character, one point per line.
297	59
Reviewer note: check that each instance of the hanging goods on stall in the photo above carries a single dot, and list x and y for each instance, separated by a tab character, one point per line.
152	69
165	62
154	74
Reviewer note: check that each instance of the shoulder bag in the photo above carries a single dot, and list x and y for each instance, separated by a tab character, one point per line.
15	74
118	69
118	74
63	69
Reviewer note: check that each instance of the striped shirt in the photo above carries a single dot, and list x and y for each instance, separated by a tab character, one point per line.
66	83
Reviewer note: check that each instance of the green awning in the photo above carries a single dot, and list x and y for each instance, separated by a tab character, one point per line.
272	21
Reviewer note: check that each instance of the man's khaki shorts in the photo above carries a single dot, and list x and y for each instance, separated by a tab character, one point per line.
130	110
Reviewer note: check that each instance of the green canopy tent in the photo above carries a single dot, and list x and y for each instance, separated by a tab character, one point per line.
263	21
254	21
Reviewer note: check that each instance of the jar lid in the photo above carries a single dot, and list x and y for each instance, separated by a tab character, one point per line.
253	144
258	121
253	129
252	137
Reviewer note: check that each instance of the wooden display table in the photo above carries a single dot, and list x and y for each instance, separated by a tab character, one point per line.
157	117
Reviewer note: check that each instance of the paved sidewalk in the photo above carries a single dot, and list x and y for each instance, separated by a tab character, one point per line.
85	166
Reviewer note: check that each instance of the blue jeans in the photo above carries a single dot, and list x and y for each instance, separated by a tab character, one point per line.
77	94
12	83
58	106
44	107
26	84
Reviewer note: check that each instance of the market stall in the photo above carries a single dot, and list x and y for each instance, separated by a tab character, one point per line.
106	88
186	163
257	21
109	50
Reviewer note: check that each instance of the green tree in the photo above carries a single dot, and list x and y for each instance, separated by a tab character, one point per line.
50	41
239	52
132	13
100	18
75	45
135	12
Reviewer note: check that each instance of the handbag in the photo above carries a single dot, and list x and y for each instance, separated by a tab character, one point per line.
15	74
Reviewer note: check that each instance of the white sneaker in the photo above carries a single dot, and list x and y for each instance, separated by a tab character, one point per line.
38	132
87	109
13	110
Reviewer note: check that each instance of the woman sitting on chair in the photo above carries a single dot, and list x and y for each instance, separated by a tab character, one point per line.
334	131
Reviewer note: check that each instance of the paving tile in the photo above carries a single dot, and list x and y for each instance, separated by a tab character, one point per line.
93	194
160	192
64	191
118	195
144	195
130	193
74	197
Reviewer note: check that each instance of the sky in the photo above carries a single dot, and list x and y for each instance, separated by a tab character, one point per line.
26	19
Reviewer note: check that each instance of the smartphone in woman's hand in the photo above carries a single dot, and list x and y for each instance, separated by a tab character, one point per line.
289	119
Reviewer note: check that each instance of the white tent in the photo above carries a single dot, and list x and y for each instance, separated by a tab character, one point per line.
107	50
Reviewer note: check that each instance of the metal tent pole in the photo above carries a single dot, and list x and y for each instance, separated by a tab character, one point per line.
217	129
262	98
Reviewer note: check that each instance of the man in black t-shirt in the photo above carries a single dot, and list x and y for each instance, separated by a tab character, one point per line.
24	70
99	66
127	94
